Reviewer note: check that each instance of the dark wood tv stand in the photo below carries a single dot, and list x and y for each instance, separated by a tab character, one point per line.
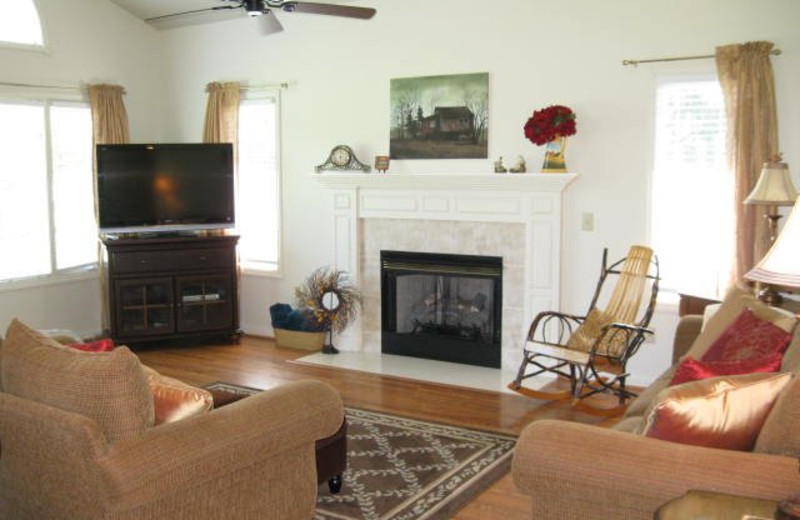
172	287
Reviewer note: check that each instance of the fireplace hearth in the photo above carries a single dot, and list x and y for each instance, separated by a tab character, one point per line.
446	307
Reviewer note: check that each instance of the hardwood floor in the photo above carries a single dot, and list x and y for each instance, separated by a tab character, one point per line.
258	363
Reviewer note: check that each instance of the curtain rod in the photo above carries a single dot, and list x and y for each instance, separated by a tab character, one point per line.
774	52
34	85
284	85
73	88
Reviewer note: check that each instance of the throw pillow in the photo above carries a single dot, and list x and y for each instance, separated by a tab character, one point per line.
734	303
108	387
586	334
722	412
779	436
174	400
101	345
747	338
691	369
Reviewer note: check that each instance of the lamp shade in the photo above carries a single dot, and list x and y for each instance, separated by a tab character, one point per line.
781	264
774	186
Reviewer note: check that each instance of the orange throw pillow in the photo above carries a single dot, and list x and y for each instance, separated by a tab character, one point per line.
722	412
175	400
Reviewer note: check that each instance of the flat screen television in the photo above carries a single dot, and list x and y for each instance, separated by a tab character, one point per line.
165	187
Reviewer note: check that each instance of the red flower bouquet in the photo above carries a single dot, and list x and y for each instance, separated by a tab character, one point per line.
550	123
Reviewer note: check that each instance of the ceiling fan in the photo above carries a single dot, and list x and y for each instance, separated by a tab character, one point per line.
264	10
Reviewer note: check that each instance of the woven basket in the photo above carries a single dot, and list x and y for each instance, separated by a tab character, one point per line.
299	339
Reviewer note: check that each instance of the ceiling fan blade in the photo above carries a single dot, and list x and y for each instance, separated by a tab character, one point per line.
269	24
195	17
363	13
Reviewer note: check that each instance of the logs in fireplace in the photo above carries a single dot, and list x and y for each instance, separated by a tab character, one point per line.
442	306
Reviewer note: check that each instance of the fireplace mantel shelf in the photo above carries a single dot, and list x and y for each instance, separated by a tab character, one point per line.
503	182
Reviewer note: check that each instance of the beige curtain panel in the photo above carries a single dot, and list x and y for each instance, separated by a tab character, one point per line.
109	117
109	126
745	74
222	113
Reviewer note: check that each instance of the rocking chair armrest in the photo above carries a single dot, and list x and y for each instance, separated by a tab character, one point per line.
627	327
546	315
555	314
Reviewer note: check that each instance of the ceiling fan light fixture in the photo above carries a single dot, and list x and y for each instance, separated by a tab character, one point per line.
264	10
253	8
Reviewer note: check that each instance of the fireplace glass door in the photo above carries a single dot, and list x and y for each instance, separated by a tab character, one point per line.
444	307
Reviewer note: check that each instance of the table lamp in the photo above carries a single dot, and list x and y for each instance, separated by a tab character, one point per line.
781	264
774	188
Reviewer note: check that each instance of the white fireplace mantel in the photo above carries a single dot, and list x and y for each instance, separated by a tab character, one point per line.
500	182
534	200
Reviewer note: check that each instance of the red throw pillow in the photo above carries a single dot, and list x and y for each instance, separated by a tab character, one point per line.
101	345
748	338
693	370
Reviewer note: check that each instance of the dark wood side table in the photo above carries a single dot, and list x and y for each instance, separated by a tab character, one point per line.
693	304
708	505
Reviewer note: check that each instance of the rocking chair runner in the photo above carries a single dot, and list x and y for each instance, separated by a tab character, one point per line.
597	352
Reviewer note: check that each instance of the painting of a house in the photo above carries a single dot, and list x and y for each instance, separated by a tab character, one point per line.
440	117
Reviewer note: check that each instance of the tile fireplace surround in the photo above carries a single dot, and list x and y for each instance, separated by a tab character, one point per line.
517	217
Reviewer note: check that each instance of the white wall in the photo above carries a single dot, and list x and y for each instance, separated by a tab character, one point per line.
88	41
536	52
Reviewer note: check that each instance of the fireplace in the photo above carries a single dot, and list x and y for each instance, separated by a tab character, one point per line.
442	306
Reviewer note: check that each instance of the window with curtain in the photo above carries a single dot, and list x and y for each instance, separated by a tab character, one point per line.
258	202
692	192
20	24
47	221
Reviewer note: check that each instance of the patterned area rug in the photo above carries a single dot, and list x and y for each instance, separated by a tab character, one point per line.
405	469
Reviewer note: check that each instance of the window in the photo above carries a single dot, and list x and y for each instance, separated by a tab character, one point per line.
692	209
46	194
258	201
20	24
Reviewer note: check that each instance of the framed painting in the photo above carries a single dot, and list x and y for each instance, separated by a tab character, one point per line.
440	117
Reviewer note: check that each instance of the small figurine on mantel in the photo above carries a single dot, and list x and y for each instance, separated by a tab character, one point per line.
498	166
520	166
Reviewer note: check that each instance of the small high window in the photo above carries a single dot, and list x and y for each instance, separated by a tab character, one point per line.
20	23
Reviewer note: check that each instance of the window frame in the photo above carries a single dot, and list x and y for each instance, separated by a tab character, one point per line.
47	98
668	294
43	48
254	268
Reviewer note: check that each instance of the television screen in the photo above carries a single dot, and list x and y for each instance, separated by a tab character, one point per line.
164	187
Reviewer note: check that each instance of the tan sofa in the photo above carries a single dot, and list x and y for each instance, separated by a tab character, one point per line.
253	459
579	471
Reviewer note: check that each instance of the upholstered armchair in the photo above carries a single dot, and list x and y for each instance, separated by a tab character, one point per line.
67	455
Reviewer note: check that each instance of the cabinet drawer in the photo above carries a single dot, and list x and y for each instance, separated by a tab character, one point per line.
184	259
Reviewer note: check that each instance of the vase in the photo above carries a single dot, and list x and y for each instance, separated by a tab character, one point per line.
554	156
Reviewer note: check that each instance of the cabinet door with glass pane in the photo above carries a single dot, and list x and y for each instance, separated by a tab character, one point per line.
205	303
144	307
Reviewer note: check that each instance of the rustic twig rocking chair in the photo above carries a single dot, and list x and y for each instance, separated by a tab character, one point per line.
592	351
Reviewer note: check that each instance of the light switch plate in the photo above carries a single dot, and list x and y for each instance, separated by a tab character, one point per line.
587	222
